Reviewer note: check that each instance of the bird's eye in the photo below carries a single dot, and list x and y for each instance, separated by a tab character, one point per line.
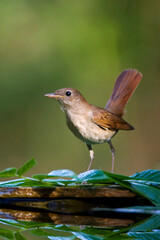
68	93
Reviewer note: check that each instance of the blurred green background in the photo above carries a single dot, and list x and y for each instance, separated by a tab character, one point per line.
84	44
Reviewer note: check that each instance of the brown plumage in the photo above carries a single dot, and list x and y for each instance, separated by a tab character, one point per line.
124	87
109	120
92	124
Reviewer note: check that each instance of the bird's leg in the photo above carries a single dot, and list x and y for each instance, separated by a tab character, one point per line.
91	153
113	154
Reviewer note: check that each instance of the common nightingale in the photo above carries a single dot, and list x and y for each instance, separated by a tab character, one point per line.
92	124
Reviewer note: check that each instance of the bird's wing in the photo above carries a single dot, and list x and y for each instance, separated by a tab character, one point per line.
107	120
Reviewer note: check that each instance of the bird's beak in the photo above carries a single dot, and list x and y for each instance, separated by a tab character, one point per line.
53	95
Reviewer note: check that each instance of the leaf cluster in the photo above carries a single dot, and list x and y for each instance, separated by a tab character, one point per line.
147	230
146	184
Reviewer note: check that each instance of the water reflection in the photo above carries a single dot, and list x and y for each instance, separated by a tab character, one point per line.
41	219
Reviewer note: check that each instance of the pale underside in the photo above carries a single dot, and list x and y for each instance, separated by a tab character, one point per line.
88	131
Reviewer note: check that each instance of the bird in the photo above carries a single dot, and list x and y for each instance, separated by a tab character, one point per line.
93	124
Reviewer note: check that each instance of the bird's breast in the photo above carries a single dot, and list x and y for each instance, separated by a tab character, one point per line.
87	131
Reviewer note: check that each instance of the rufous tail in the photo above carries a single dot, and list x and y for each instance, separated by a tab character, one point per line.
124	87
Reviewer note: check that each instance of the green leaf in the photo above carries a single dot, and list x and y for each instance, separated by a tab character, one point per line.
56	173
99	176
119	237
121	180
152	223
145	236
149	175
61	238
22	225
11	222
40	177
116	176
62	173
150	192
64	228
85	236
12	183
20	182
57	182
6	233
28	225
95	231
26	167
8	172
39	232
49	179
93	176
18	236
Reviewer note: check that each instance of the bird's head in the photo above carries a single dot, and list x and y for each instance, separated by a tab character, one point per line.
68	98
